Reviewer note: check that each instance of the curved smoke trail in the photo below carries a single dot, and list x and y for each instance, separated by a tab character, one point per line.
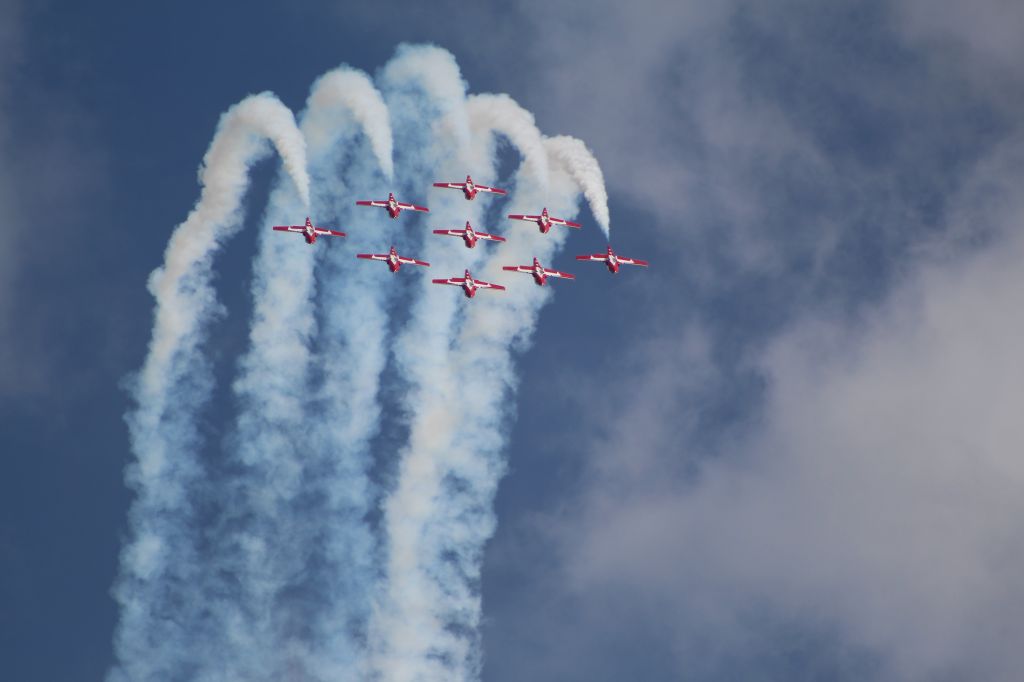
156	565
500	114
293	489
348	91
580	163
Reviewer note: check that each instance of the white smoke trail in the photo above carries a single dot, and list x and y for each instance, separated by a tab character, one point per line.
346	90
584	169
424	87
295	548
181	285
490	114
159	562
440	514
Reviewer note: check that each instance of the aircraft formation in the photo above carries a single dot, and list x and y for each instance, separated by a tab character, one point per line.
470	237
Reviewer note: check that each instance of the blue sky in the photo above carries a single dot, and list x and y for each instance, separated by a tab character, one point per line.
788	450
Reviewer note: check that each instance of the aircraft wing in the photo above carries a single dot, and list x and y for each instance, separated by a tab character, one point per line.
518	268
454	281
452	233
492	237
332	233
451	185
556	273
632	261
531	218
567	223
290	228
413	261
487	285
372	256
595	256
372	203
411	207
492	190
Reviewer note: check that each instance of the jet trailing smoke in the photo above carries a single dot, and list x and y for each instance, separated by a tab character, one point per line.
274	563
574	156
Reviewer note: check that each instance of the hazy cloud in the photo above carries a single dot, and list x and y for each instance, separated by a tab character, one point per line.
877	496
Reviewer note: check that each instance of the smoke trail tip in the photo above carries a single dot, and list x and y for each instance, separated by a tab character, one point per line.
579	162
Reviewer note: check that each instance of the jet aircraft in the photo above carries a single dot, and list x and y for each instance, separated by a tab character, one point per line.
469	235
393	260
539	272
469	188
309	231
468	284
393	207
544	221
613	260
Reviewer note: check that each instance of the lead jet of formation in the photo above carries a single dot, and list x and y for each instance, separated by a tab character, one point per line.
469	188
393	260
468	284
393	206
544	221
539	272
309	231
612	260
470	236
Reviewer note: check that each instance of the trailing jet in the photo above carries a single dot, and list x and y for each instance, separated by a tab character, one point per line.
309	231
544	221
613	260
539	272
393	260
470	236
468	284
394	207
469	188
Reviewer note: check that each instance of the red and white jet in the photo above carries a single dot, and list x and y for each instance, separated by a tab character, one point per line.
393	260
613	260
468	284
469	188
470	236
539	272
393	206
544	221
309	231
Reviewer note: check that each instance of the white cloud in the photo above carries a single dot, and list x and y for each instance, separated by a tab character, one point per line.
50	168
878	494
989	29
